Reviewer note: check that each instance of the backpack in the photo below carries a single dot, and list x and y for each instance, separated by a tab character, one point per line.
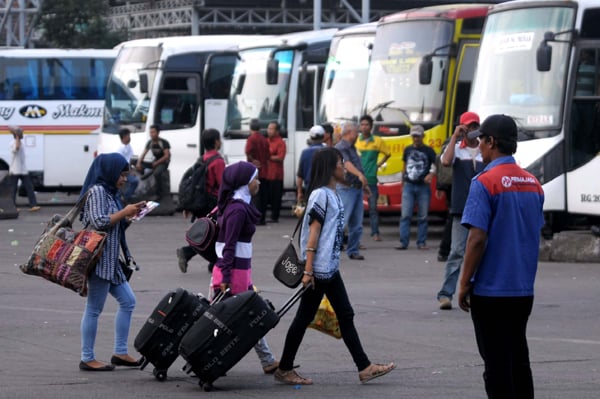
193	196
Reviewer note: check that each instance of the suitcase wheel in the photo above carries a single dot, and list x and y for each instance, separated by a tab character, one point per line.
206	386
160	374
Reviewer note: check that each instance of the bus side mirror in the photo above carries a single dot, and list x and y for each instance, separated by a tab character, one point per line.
425	70
143	83
272	71
240	83
330	79
131	84
544	57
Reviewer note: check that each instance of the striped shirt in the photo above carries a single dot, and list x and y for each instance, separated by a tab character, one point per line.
99	205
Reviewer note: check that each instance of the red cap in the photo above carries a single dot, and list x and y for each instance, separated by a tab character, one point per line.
469	117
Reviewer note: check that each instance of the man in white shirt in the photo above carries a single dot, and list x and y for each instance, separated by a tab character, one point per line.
18	169
126	150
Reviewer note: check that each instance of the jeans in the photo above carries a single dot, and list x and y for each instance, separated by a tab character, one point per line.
353	216
132	182
500	329
98	290
455	259
373	214
335	290
421	193
27	184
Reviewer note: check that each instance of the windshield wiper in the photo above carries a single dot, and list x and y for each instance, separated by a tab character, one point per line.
385	105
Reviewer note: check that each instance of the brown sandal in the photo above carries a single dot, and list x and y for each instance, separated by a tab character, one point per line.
374	371
291	377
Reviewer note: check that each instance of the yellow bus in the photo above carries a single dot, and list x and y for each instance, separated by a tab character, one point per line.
422	65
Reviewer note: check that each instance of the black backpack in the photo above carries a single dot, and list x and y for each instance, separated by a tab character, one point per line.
193	196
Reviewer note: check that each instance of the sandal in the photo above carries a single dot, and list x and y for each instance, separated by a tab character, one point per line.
374	371
291	377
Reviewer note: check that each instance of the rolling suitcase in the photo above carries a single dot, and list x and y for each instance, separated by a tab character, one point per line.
158	340
226	332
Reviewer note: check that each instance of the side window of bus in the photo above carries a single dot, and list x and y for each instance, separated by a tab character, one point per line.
468	60
178	101
585	112
305	113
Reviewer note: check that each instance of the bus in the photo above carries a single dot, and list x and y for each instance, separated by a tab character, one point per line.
345	76
56	97
422	65
540	63
277	79
162	82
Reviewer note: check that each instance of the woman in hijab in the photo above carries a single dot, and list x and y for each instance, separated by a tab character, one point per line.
103	211
237	218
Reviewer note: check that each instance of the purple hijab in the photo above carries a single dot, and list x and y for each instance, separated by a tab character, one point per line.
235	176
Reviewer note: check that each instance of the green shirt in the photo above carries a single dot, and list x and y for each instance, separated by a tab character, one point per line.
369	150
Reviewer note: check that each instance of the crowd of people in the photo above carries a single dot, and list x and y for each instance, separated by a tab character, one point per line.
493	203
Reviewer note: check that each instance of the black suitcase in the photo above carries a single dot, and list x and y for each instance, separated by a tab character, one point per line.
158	340
226	332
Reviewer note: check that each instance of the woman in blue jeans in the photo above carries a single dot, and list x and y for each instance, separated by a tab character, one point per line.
321	243
103	211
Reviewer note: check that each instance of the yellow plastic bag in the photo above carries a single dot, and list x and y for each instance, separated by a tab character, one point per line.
326	320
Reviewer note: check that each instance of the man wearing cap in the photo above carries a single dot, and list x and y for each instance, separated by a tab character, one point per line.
419	169
277	152
504	215
369	147
351	192
17	170
317	134
463	155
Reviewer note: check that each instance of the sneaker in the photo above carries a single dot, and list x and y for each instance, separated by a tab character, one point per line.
445	304
401	248
374	371
442	258
35	208
291	377
423	247
376	237
182	261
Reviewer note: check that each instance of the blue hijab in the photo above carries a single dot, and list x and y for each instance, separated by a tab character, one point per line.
105	170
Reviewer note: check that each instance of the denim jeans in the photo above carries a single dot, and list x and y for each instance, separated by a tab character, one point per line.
500	329
455	259
373	214
98	290
421	194
353	216
335	290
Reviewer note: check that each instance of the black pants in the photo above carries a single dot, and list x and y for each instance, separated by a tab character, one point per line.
446	241
275	193
500	329
309	304
261	200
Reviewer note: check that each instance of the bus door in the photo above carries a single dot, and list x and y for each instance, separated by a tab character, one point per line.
466	62
582	138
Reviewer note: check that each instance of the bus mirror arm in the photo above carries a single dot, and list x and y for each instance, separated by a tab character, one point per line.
426	65
544	51
273	63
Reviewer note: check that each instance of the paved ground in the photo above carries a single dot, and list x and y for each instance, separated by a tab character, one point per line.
393	294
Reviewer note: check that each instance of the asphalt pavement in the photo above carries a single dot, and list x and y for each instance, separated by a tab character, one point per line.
393	294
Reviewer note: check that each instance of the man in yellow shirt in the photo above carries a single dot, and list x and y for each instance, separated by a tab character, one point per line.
370	146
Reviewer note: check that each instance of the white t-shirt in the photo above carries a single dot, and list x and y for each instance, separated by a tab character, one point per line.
17	164
126	151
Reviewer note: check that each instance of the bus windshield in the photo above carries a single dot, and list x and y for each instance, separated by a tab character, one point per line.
251	96
507	80
346	78
53	78
125	102
394	95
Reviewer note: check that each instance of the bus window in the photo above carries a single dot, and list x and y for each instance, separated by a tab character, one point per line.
178	101
585	113
468	59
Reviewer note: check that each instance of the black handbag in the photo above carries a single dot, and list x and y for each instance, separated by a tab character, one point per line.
289	269
202	236
128	266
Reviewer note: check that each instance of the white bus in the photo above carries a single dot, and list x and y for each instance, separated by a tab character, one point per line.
540	63
56	97
346	74
162	82
277	79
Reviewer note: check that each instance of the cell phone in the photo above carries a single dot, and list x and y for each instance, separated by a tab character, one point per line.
150	205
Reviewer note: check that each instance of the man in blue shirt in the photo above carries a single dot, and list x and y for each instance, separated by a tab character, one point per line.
504	215
317	135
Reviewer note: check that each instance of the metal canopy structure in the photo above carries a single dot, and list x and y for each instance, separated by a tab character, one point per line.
17	21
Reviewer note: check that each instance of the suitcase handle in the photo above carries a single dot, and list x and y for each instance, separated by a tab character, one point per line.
292	300
220	296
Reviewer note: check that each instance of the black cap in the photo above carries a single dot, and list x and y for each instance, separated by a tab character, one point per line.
499	126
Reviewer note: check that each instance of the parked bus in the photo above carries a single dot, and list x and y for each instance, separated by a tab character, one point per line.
346	72
162	82
277	79
56	97
422	66
540	64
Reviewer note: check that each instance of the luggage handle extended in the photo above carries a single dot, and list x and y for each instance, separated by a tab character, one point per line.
293	299
220	296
